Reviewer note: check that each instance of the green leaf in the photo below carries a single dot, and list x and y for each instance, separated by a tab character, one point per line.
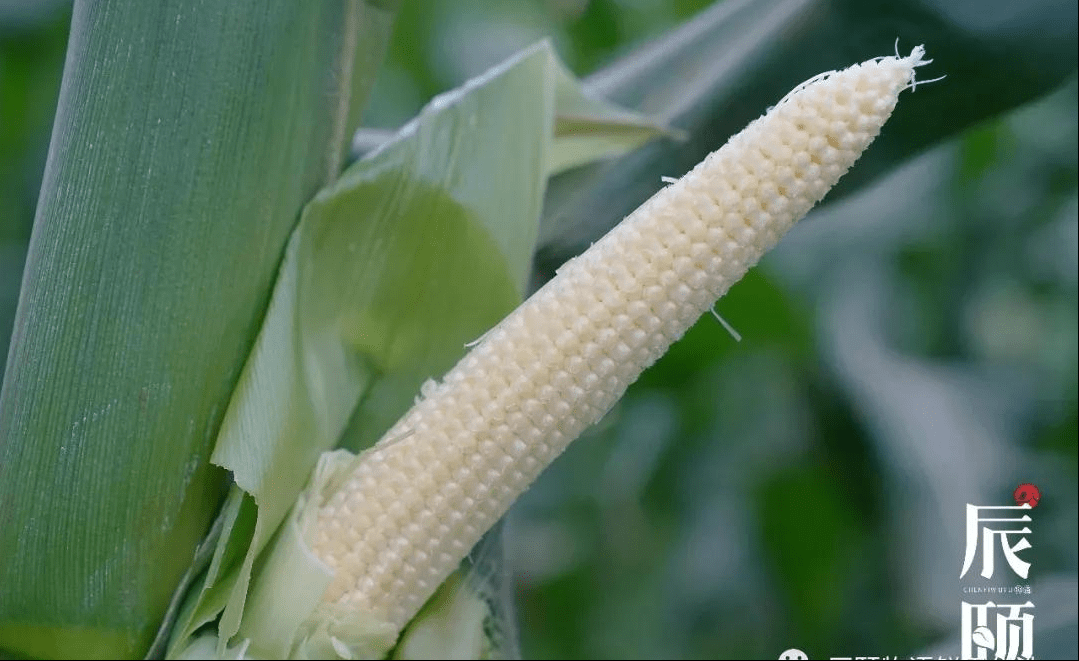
187	138
12	254
588	128
415	251
236	521
713	75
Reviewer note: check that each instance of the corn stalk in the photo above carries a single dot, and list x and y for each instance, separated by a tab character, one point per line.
187	138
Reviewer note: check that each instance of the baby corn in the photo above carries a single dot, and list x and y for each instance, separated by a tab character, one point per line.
423	496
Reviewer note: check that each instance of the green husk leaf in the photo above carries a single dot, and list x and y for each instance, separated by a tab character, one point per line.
301	627
588	128
415	251
237	522
187	138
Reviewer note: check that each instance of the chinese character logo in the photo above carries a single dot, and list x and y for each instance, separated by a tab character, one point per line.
997	632
992	529
1027	494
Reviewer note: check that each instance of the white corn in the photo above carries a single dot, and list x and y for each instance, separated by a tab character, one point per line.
421	498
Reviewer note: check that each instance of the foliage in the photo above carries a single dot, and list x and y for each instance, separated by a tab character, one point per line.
910	349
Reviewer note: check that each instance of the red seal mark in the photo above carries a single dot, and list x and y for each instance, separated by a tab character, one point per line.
1027	494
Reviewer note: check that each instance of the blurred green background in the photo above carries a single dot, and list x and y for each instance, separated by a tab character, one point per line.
906	350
